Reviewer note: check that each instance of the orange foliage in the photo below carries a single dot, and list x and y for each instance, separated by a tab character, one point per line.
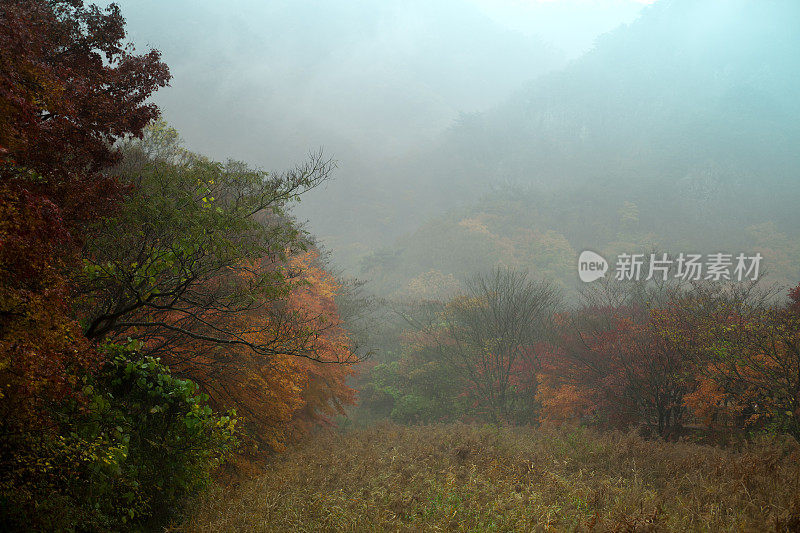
326	392
279	395
561	403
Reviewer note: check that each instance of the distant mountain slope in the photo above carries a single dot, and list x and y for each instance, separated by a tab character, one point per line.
544	232
265	81
691	113
692	87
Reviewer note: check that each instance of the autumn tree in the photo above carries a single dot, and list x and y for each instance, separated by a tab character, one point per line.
197	239
746	348
69	86
489	335
611	363
85	442
204	266
326	392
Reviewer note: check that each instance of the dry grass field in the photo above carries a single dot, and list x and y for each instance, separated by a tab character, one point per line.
465	478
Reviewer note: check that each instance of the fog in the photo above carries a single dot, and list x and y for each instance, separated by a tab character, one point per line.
476	132
366	80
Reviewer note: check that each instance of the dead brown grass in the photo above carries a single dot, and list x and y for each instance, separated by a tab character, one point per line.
464	478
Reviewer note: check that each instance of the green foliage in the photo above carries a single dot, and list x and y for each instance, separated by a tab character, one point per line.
197	247
412	408
418	388
127	458
188	220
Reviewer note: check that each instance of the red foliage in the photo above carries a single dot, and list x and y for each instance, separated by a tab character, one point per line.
613	366
794	299
68	88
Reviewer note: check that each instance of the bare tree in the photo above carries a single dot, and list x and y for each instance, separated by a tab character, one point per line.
490	333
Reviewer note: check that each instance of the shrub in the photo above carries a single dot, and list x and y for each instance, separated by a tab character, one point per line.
129	457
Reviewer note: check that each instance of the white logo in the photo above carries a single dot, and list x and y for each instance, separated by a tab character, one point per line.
591	266
717	267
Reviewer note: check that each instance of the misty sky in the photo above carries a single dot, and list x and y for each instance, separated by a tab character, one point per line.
267	81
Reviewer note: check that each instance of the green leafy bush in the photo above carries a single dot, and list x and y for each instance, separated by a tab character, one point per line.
418	388
127	459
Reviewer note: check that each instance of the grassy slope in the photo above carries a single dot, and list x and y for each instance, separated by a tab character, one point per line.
434	478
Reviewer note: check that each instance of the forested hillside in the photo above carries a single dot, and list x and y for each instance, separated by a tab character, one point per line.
670	133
